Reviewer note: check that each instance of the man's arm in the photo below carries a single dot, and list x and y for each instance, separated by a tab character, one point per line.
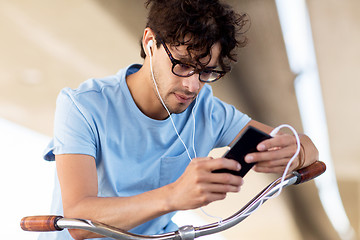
197	187
275	153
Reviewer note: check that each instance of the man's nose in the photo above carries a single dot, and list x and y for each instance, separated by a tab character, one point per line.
192	83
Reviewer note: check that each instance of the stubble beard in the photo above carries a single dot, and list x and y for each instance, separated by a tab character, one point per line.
171	109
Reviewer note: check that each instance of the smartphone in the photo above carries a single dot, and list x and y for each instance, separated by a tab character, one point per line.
245	144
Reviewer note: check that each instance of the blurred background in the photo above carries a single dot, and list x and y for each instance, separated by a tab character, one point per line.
301	67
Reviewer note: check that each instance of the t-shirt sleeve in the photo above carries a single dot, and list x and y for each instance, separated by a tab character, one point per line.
73	128
227	122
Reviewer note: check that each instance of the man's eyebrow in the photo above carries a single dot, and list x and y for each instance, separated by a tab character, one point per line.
188	60
184	59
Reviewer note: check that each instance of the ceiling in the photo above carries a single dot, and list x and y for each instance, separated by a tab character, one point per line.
48	45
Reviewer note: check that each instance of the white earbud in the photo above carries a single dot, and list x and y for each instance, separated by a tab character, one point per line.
149	45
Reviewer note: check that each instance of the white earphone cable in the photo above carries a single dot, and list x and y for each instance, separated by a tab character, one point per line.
273	133
192	113
167	110
177	133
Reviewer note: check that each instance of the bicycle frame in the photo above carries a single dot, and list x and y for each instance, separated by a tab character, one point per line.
188	232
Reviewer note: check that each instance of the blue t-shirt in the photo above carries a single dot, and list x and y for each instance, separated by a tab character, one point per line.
133	152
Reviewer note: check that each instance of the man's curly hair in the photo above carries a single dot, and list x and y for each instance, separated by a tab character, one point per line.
198	24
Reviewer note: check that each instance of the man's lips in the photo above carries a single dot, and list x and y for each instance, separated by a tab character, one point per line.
184	98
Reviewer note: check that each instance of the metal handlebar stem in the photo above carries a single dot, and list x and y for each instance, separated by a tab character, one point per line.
250	207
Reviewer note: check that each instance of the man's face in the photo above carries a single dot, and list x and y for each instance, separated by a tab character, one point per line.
179	92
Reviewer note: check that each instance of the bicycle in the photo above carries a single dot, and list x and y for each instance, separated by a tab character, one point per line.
187	232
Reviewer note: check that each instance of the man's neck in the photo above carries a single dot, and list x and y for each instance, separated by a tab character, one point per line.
141	89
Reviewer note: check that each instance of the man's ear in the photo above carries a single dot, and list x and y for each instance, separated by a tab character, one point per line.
148	40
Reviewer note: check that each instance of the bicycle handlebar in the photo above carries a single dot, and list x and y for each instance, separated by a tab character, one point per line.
40	223
58	223
310	172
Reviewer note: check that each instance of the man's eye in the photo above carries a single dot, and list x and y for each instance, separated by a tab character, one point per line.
206	73
185	66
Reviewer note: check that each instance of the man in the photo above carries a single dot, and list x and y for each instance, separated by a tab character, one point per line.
131	149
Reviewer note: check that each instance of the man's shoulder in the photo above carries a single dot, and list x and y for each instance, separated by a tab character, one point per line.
89	91
98	84
96	87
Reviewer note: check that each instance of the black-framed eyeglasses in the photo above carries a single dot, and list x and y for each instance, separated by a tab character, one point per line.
186	70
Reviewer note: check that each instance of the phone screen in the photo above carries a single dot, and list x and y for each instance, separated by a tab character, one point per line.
246	143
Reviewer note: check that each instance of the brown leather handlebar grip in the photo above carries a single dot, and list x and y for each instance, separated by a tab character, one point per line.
40	223
310	172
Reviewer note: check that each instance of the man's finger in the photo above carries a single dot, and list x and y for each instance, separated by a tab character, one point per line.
271	155
275	142
221	163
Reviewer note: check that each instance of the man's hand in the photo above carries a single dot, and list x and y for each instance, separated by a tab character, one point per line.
198	186
274	154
